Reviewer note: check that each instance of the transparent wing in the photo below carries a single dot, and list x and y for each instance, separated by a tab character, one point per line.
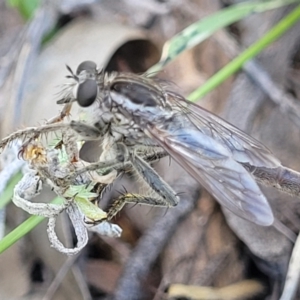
212	165
243	147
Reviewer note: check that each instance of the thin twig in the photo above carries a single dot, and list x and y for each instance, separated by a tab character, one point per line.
286	103
42	22
59	277
82	284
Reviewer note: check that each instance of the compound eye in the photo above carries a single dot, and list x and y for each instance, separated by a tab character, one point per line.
87	92
88	66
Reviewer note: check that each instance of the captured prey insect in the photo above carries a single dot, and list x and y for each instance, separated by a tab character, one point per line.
140	111
53	166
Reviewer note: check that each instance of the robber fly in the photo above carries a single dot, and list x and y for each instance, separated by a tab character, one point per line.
141	111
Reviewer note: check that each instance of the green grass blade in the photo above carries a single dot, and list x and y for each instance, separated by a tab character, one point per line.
201	30
8	192
237	63
23	229
25	7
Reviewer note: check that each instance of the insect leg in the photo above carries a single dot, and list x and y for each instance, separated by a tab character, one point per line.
105	167
155	182
86	131
64	113
102	168
163	194
32	133
127	198
150	154
126	161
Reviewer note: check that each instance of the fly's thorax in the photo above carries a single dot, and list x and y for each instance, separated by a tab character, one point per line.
140	113
137	102
134	96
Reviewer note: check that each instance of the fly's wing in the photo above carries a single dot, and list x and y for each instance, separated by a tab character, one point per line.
243	147
212	165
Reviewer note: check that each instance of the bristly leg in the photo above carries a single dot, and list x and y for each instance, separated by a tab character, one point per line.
135	160
32	133
127	198
161	194
65	112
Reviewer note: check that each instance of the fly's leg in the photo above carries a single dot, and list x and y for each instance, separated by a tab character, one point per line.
64	113
102	168
155	182
32	133
122	162
150	154
164	196
106	171
89	132
128	198
29	187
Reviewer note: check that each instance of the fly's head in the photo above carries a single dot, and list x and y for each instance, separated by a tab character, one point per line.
84	86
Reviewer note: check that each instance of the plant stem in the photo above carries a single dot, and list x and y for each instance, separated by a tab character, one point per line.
237	63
